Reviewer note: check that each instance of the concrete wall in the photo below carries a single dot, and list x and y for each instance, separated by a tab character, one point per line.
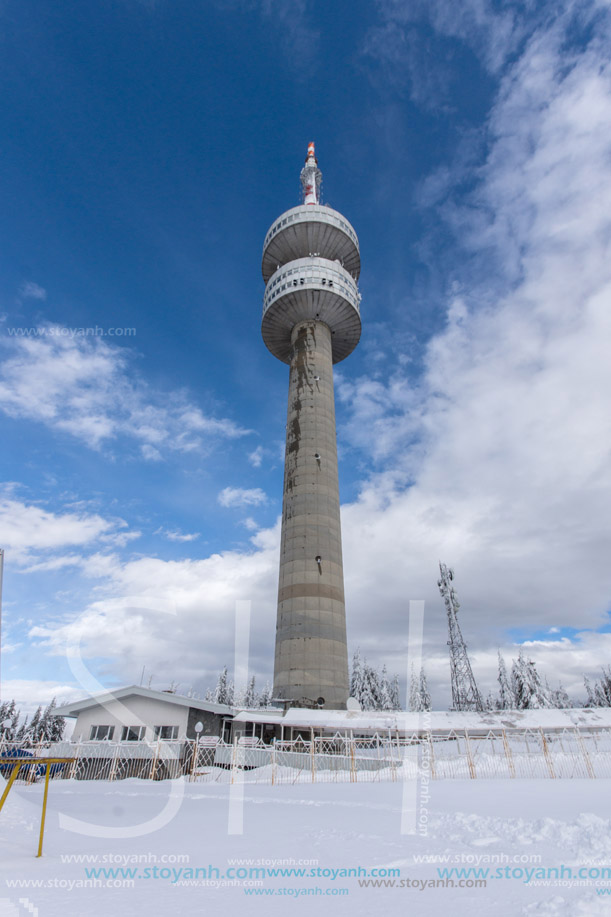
311	653
212	723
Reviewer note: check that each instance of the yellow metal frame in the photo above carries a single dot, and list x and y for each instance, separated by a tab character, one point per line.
34	762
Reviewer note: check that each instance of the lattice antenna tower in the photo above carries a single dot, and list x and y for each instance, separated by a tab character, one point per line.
465	694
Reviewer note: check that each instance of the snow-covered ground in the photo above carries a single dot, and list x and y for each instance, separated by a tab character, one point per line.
472	823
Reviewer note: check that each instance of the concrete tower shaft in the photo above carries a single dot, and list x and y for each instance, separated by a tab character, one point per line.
311	653
311	320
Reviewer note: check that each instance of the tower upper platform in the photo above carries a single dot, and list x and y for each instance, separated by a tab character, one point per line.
311	229
311	265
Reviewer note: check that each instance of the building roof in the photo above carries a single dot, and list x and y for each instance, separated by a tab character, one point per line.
76	707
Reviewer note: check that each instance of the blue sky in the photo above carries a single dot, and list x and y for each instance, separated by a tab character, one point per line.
147	146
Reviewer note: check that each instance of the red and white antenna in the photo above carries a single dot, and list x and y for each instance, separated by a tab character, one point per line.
311	178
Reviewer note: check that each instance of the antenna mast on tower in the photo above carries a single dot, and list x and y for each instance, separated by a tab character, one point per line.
311	178
465	695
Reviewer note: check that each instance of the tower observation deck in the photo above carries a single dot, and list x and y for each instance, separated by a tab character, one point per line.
311	320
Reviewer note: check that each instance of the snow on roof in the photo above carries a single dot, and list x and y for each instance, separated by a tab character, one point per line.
434	720
74	708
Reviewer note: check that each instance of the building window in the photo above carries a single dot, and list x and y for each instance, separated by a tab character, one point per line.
98	733
133	733
166	732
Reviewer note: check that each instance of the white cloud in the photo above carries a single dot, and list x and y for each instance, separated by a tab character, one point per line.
256	457
405	45
9	647
176	616
120	539
237	496
272	454
504	443
297	39
58	562
31	290
29	694
150	453
174	535
26	529
250	524
82	386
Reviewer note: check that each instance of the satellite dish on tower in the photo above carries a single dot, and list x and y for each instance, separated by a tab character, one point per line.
353	705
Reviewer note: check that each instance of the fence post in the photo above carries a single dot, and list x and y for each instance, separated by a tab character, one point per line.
31	769
393	764
274	763
195	757
508	755
313	756
547	754
234	755
72	770
155	760
352	761
431	755
472	773
585	754
113	766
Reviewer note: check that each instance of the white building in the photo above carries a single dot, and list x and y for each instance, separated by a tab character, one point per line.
134	714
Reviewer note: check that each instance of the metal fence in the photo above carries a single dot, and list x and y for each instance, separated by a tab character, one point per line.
512	753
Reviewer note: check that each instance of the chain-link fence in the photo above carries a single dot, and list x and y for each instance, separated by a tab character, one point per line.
512	753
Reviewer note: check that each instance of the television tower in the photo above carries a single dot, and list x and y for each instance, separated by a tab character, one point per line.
465	694
311	320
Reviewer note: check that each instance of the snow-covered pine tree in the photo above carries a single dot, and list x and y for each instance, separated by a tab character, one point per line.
22	731
506	699
423	691
560	699
356	678
32	730
590	699
51	727
603	688
9	720
385	692
419	697
600	694
372	690
250	695
530	694
221	692
394	693
413	699
265	697
370	698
